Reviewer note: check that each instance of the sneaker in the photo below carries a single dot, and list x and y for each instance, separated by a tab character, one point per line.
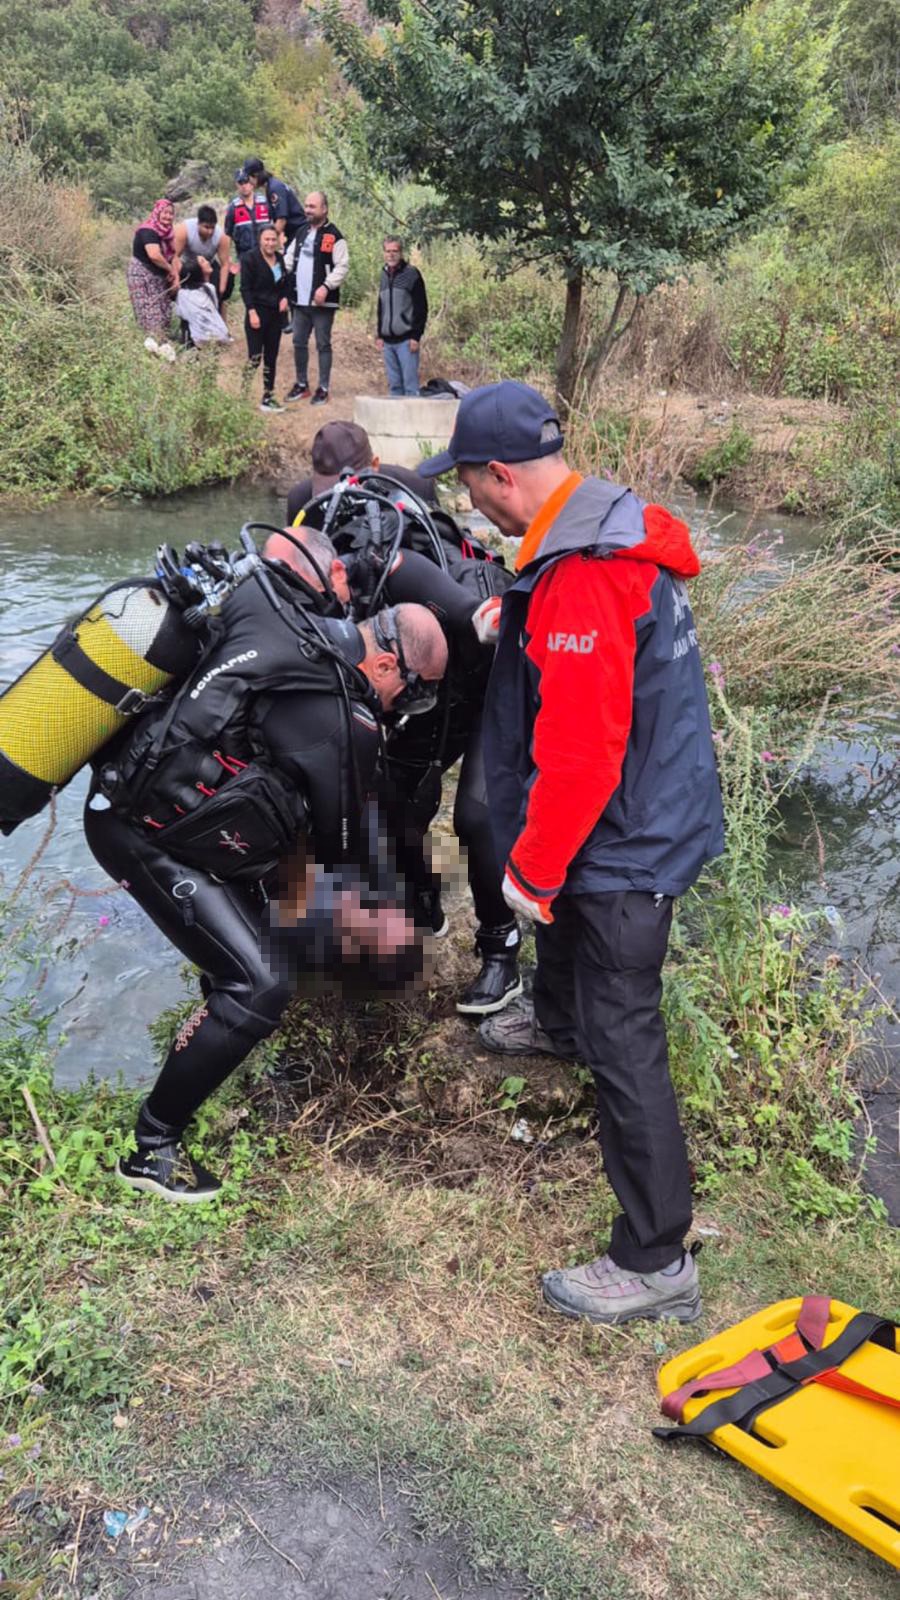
516	1032
300	391
269	403
605	1293
320	397
429	912
498	983
169	1172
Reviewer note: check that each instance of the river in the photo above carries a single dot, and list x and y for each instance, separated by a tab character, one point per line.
53	562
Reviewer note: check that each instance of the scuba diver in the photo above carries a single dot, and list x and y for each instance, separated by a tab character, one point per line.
368	561
264	756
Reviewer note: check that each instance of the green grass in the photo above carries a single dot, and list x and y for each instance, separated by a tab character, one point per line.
331	1315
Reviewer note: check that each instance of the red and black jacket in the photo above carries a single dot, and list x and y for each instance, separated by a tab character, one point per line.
598	749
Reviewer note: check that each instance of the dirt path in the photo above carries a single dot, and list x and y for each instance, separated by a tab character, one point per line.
357	370
246	1542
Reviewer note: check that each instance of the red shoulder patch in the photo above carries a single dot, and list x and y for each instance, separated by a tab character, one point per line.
328	242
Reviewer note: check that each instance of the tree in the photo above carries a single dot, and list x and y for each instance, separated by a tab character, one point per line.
631	137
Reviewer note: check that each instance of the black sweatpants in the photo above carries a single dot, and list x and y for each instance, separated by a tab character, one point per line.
263	344
217	927
597	993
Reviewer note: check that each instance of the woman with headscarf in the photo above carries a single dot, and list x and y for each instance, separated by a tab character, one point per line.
153	269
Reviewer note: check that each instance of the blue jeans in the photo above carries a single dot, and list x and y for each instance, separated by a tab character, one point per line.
402	368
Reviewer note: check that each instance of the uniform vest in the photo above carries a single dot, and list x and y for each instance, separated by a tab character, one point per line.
248	220
323	260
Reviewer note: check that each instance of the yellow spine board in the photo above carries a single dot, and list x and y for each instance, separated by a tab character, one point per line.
50	725
835	1453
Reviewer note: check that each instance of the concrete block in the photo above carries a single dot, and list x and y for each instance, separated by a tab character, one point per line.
405	430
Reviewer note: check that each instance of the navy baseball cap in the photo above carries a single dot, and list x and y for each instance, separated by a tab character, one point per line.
499	422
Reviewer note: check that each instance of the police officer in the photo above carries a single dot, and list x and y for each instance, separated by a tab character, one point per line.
425	747
273	739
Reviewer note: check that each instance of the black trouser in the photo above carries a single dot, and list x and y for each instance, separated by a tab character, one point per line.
471	819
217	927
597	993
318	320
263	343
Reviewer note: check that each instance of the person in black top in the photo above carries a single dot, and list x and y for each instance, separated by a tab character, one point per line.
273	714
339	446
153	269
402	315
263	293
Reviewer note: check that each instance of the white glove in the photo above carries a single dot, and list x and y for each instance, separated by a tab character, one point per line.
525	904
486	620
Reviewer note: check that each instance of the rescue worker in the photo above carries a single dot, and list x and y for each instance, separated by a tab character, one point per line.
247	214
269	745
424	748
605	804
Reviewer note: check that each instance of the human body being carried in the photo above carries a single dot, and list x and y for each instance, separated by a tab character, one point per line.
462	589
605	805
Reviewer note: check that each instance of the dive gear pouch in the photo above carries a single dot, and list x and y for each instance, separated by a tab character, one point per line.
241	830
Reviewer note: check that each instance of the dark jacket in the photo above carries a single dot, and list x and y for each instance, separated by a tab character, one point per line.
330	261
284	203
243	222
598	749
260	289
402	304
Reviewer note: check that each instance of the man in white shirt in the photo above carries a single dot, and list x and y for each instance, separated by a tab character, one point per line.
317	262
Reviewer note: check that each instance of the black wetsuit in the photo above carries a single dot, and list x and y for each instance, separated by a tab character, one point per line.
426	746
307	737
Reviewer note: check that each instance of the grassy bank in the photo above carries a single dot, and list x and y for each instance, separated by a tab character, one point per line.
362	1305
83	407
364	1300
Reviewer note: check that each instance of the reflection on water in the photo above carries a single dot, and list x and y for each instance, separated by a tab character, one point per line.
53	563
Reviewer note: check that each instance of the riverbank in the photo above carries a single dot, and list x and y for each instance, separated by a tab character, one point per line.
362	1311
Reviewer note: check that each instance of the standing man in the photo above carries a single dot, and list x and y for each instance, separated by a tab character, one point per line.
605	804
402	315
247	214
317	261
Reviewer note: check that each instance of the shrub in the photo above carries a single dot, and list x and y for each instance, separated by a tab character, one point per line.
731	452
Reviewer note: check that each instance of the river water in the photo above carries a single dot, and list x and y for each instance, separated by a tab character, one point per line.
55	561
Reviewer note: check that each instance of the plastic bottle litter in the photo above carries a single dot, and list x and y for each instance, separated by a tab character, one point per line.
835	920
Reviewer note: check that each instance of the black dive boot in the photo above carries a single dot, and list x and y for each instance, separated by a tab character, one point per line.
162	1166
498	982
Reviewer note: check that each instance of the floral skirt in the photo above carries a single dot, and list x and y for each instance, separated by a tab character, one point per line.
150	297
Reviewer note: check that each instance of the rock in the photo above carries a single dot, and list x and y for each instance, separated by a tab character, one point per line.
193	179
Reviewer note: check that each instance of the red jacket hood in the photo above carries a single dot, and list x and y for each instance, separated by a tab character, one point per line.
612	521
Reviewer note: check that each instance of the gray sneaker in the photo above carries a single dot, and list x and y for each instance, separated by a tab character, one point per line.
515	1031
603	1292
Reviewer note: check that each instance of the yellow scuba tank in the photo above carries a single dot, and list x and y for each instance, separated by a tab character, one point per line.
99	671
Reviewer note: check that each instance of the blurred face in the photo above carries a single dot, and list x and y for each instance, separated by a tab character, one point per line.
247	188
393	253
166	215
315	209
268	241
206	230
